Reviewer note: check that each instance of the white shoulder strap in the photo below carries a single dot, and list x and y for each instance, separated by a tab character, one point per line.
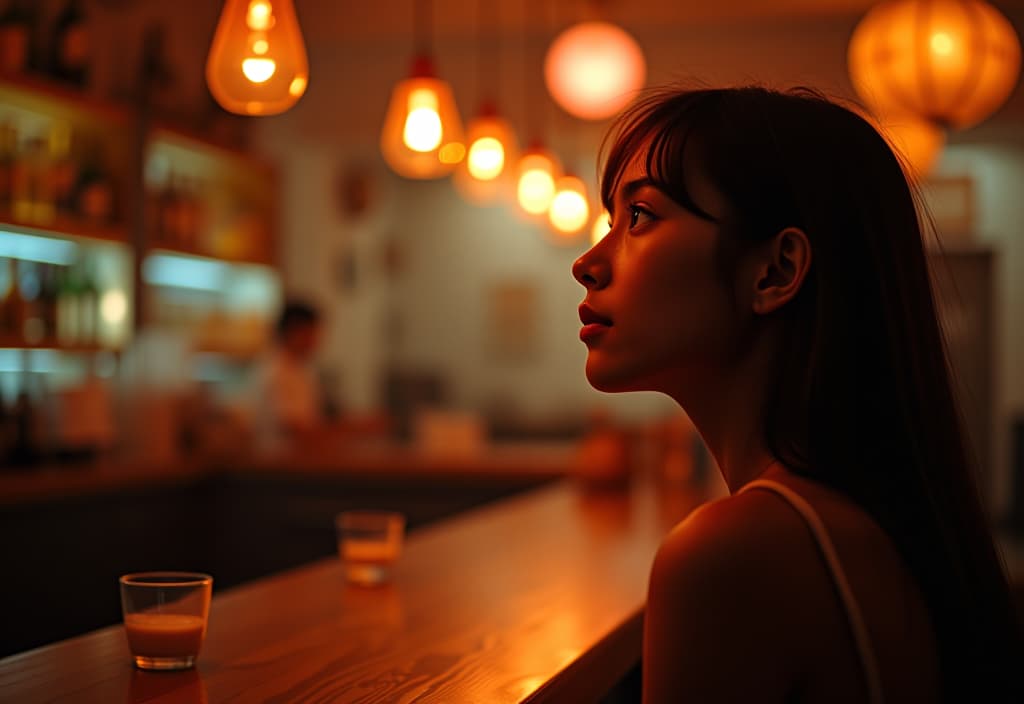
853	613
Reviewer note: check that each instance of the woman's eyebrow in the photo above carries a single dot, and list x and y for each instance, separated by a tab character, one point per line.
630	188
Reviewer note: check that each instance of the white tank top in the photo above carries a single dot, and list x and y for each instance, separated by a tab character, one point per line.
858	629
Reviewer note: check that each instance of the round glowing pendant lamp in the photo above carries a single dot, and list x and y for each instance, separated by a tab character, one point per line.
257	63
491	153
569	213
594	69
950	62
422	133
536	173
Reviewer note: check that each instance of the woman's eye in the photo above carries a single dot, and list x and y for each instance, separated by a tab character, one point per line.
638	216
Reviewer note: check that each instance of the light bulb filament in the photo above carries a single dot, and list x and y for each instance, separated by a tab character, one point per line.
258	70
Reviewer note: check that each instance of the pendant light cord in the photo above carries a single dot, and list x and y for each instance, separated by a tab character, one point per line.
422	17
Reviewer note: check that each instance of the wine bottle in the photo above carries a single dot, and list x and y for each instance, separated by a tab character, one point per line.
71	50
17	30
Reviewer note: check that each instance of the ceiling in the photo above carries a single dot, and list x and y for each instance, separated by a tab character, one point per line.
393	19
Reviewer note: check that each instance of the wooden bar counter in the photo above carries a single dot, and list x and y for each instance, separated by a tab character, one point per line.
537	598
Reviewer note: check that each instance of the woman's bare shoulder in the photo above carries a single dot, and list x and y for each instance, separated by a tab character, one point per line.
721	600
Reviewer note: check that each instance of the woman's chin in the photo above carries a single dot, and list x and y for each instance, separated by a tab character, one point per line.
611	381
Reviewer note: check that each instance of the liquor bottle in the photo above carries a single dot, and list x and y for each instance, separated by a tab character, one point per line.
8	149
17	30
10	302
88	307
63	169
48	301
95	192
33	328
71	50
68	326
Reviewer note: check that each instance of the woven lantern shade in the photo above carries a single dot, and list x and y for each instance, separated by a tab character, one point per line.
950	62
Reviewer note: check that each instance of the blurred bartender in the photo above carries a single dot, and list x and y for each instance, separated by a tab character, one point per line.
285	395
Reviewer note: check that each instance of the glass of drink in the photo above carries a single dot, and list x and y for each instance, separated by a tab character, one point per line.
165	616
369	543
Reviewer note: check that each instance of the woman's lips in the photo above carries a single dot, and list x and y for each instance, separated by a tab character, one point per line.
594	324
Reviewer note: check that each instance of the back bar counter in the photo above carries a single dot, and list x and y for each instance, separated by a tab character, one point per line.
537	597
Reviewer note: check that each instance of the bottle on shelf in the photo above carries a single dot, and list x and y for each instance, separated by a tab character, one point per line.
33	327
88	307
63	171
10	301
8	151
71	48
48	301
68	326
17	31
32	198
95	192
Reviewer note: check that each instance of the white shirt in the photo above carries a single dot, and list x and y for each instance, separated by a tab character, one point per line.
284	394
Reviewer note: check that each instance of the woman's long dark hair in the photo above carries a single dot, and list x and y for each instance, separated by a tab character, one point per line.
862	400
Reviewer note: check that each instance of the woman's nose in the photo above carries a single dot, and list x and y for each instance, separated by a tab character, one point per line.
592	271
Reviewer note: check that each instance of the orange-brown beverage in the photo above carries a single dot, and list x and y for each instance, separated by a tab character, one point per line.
165	617
164	635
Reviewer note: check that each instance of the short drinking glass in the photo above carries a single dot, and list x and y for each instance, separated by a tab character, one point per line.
369	543
165	616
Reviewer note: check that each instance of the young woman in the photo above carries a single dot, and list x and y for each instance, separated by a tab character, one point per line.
765	270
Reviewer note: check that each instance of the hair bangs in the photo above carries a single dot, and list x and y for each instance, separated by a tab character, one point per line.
660	126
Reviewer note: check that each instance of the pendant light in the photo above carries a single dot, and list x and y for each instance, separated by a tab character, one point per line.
950	62
537	172
485	173
422	133
570	211
257	63
593	69
538	167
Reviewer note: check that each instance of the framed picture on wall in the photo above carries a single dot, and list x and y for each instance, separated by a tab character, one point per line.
511	322
950	202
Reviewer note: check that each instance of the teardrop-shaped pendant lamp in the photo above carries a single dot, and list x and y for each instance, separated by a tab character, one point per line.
257	63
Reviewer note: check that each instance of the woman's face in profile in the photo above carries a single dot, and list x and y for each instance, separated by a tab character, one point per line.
656	316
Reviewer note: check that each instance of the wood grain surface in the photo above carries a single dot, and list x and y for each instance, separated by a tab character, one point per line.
538	598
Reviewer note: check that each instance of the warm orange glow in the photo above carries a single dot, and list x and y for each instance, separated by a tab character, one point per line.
600	228
486	174
535	182
594	69
569	210
422	133
917	142
257	63
951	62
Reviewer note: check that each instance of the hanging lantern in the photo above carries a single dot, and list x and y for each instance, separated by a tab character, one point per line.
257	63
950	62
422	133
490	160
594	69
570	211
535	180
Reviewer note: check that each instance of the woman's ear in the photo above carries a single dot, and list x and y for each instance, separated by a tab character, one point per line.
781	271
